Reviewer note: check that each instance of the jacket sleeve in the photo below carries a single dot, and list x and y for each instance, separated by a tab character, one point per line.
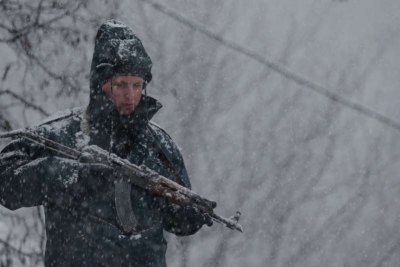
177	220
30	177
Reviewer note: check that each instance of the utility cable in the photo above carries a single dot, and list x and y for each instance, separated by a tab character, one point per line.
276	67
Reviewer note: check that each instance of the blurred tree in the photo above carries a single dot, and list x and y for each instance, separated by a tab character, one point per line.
46	49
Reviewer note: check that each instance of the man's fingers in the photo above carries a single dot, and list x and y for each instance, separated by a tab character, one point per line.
102	168
208	220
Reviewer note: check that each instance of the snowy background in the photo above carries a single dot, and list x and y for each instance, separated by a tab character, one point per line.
317	182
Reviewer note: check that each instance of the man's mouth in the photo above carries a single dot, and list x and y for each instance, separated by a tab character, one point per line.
128	105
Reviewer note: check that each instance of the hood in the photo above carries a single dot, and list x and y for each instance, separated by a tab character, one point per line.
117	51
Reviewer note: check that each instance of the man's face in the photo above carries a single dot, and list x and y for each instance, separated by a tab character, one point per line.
126	92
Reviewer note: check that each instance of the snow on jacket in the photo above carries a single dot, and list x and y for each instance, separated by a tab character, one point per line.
82	228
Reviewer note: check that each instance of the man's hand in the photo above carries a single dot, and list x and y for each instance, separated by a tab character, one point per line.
83	184
193	215
93	176
94	171
184	221
66	181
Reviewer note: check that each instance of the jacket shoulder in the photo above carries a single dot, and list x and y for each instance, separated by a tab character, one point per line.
163	137
165	140
172	152
156	125
61	126
63	115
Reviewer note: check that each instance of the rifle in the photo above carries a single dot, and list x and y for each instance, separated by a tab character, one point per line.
140	176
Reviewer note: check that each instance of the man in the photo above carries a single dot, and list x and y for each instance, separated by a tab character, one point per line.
82	225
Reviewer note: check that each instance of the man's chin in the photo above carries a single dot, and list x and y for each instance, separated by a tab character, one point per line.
126	111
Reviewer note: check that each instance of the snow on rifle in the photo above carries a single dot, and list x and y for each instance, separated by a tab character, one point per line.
140	176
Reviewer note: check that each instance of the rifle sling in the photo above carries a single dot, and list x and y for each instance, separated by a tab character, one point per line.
166	159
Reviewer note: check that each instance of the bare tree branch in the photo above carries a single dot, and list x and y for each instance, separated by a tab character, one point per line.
25	102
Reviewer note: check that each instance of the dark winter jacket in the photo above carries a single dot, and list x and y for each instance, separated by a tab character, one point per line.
81	223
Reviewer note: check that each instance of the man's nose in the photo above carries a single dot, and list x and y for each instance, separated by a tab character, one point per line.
130	92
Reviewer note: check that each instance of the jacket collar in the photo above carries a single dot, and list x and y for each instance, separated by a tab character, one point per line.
108	129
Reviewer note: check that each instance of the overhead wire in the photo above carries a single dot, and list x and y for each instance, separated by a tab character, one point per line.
284	71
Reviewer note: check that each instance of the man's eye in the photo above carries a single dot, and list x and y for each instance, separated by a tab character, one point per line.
137	85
